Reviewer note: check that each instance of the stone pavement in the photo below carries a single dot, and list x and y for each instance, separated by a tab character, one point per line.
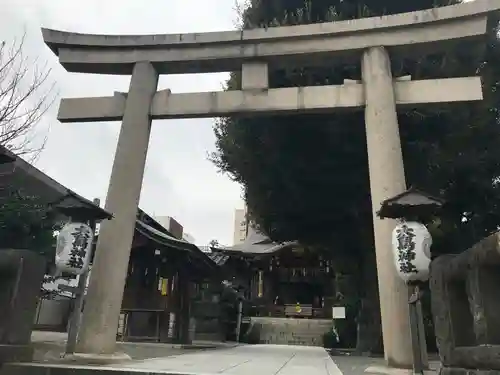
240	360
359	365
49	346
205	359
248	360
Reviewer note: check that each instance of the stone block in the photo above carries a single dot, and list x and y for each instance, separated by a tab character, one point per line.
465	305
464	371
21	276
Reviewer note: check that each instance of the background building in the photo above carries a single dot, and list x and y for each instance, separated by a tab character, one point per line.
188	238
170	224
174	227
240	225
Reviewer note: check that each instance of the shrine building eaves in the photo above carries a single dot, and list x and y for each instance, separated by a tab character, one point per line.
19	175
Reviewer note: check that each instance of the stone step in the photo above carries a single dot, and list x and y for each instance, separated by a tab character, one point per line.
307	332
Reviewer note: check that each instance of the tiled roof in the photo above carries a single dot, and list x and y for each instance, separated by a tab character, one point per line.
218	258
256	243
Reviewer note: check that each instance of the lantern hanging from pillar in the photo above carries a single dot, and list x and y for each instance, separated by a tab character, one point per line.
411	245
74	245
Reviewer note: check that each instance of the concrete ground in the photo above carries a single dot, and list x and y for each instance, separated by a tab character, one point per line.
246	360
357	365
240	360
50	346
226	359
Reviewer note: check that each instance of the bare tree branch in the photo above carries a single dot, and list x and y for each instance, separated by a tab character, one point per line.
25	96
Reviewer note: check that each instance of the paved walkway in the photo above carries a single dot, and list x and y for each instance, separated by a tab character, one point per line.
245	360
238	360
49	346
241	360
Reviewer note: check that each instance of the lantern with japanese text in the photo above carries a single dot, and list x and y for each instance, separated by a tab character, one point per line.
411	241
74	244
411	245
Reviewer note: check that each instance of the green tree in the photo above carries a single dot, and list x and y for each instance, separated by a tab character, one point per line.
26	223
305	177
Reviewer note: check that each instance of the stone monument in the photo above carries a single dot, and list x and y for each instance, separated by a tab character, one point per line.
368	40
465	306
21	276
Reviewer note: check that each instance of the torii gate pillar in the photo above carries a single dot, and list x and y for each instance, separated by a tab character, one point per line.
109	271
387	179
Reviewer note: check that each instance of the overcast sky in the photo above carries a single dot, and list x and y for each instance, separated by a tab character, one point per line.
179	180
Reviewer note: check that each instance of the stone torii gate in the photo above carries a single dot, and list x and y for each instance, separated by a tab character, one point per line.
144	57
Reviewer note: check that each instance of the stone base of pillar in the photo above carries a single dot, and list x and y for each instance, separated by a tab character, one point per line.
15	353
466	371
389	370
97	359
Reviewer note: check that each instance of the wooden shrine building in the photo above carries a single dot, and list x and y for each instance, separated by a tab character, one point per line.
168	278
281	280
289	290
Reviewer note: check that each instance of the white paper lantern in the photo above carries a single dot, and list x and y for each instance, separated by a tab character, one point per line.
411	246
74	244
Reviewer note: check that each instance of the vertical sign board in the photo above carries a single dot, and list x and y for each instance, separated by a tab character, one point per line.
338	312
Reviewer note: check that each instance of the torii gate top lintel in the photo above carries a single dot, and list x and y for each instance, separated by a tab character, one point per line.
227	50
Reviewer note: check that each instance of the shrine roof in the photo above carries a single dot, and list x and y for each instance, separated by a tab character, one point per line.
16	174
154	231
218	257
256	244
411	203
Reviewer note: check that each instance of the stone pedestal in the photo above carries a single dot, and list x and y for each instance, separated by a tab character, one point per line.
21	277
464	296
107	281
463	371
387	179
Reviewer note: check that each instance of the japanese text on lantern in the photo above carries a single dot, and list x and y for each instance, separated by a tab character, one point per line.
406	249
74	244
81	237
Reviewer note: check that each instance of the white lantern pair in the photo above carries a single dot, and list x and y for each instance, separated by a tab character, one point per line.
73	249
411	246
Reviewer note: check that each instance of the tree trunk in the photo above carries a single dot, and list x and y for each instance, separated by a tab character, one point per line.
369	337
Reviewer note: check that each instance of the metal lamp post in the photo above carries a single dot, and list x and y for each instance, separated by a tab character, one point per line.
411	245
